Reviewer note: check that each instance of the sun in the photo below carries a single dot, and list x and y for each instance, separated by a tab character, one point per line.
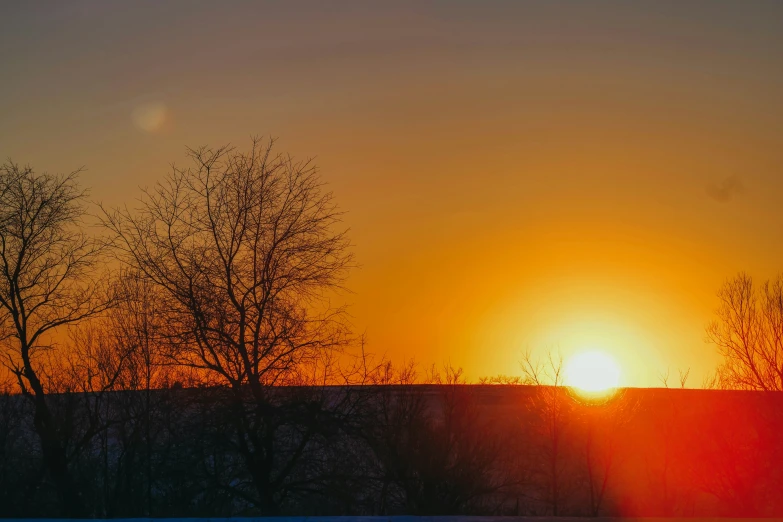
592	372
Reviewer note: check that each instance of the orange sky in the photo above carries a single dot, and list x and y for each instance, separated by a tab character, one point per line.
517	174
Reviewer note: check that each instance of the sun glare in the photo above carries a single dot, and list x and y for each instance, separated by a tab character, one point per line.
592	372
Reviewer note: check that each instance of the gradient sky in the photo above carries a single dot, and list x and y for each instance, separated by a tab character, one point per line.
518	175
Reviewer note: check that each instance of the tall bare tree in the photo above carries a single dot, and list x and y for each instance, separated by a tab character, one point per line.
748	333
245	249
48	280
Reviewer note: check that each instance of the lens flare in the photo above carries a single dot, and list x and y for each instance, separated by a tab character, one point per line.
150	117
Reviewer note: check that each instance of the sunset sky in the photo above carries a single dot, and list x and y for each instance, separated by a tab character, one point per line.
517	175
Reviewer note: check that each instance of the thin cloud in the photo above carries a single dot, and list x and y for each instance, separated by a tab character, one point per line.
726	190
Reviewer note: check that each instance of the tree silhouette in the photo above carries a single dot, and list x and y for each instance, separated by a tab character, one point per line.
244	251
48	280
552	408
603	422
748	333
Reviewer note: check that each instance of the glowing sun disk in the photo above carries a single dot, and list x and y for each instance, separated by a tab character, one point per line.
592	372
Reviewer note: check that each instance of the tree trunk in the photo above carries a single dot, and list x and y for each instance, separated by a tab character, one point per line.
56	461
54	454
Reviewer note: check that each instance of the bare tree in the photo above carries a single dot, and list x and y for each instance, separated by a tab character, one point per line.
552	406
604	422
748	333
123	351
736	463
683	377
244	251
48	280
135	329
461	461
396	410
433	451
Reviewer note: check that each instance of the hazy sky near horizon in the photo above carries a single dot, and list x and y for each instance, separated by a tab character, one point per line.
517	175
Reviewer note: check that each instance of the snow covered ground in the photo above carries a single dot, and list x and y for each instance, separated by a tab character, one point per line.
401	519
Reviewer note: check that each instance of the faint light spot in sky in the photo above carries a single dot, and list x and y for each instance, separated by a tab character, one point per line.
150	116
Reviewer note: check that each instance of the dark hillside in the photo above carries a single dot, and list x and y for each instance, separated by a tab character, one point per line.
425	449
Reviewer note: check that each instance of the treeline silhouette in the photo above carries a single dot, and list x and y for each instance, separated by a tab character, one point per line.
402	449
186	357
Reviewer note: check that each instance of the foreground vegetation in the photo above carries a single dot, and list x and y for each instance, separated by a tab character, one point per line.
402	449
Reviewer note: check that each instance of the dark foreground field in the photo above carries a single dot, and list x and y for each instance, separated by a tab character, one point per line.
404	450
